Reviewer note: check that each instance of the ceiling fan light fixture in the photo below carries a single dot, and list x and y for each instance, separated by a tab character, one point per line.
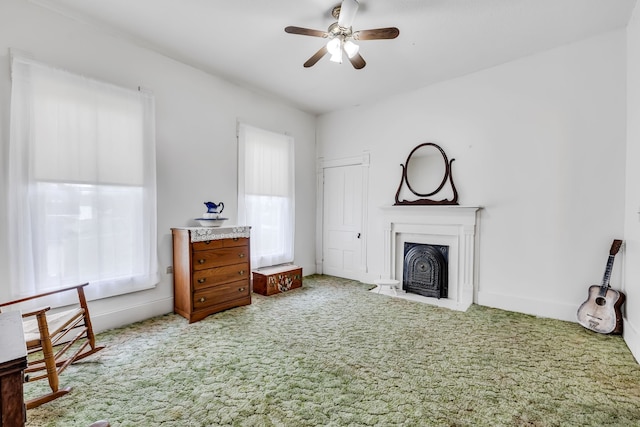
351	48
336	57
334	47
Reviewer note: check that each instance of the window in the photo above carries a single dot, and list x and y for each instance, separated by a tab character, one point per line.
266	194
82	191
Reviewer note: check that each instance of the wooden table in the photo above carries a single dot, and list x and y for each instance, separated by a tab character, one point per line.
13	361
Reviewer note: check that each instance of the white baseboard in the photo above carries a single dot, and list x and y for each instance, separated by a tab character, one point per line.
111	318
128	315
631	336
531	306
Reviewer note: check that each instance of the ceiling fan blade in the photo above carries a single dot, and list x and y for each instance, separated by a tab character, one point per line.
357	61
306	32
376	34
348	11
316	57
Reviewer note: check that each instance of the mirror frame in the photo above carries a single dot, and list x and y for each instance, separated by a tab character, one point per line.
423	200
444	178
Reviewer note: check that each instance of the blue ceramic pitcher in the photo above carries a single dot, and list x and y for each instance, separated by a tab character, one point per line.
213	208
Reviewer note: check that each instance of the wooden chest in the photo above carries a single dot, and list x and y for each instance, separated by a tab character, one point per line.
273	280
210	270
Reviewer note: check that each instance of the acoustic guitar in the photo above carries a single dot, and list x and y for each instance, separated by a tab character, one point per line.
601	311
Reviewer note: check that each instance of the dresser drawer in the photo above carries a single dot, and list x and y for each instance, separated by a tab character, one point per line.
207	245
222	243
216	275
236	241
220	293
220	257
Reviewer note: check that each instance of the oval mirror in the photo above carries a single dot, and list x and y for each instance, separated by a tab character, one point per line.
426	170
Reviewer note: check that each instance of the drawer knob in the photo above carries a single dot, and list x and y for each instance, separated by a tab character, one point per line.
202	280
202	299
201	261
235	239
241	272
241	255
241	289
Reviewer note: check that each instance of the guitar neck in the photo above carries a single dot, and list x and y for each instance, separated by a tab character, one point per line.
607	274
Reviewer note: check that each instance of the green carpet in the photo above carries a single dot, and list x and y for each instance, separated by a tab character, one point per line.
333	354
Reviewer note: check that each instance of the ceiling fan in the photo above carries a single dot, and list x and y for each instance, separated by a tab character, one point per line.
341	36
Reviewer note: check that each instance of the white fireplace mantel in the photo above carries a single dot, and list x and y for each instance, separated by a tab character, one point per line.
448	225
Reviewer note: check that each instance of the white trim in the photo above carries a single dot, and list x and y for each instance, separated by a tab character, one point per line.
128	315
550	309
345	161
319	218
631	336
17	53
322	164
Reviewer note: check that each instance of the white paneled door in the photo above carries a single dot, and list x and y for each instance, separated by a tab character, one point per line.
342	238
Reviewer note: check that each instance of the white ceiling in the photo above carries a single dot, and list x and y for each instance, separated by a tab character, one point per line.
243	41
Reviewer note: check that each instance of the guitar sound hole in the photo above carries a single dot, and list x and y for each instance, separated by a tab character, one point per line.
601	301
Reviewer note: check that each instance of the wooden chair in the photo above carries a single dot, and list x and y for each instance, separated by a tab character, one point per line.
55	340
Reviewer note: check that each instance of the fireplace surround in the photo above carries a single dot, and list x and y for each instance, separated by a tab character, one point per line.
453	226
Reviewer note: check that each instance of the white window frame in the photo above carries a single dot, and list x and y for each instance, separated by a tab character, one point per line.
50	164
266	194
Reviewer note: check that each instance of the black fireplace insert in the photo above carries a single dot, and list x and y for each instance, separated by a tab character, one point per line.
425	269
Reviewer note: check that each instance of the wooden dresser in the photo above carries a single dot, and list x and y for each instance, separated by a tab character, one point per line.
13	361
211	270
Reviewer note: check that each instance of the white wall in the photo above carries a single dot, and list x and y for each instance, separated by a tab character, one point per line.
196	137
632	209
539	143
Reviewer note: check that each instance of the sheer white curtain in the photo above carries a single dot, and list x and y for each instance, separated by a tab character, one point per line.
82	184
266	194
